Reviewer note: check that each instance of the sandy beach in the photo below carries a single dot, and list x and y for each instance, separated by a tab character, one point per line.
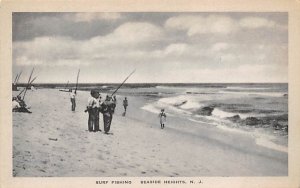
53	141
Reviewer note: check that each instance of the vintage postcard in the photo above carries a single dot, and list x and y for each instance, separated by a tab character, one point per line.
198	95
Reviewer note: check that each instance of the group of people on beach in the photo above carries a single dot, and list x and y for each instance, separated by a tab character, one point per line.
95	106
18	105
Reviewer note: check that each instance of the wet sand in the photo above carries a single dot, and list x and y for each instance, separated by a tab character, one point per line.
54	141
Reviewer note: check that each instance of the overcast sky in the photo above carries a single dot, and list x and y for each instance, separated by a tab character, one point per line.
162	47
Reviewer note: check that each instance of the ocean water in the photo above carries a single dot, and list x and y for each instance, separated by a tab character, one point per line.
262	107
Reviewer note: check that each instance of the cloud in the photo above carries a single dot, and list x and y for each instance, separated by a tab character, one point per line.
176	49
256	22
123	42
218	24
89	17
137	32
196	25
219	46
130	33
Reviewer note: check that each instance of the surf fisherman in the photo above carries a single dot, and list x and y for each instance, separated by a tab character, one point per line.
162	118
125	104
73	100
15	104
93	110
107	109
18	105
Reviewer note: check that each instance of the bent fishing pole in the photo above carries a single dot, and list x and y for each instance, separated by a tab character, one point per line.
122	83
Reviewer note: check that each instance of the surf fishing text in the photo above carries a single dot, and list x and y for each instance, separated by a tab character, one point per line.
145	182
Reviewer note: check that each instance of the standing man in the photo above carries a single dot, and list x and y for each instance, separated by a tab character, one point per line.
92	109
72	97
125	104
107	109
97	111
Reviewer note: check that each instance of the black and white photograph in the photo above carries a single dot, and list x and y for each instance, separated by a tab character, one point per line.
150	94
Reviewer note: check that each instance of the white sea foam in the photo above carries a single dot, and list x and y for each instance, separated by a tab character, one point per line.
222	114
182	101
269	94
247	88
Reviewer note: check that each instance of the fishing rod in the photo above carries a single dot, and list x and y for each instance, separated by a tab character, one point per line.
18	77
122	83
28	84
77	81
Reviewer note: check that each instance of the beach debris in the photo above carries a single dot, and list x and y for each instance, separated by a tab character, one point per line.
205	111
53	139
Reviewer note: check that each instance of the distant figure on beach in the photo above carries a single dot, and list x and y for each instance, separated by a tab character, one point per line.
32	88
93	110
125	104
72	97
107	109
18	105
162	118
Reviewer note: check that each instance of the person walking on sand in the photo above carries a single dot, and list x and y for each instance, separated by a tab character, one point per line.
73	100
125	104
162	118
